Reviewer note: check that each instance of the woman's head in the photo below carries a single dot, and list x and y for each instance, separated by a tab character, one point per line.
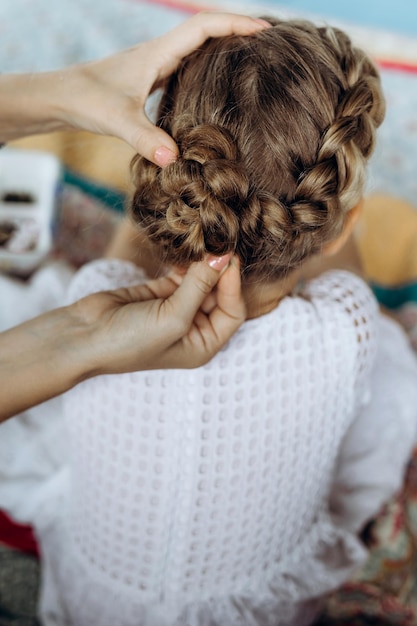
274	132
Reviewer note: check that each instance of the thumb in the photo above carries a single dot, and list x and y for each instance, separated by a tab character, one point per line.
198	282
150	141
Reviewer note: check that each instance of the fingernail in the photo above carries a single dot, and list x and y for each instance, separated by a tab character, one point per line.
218	262
263	23
164	156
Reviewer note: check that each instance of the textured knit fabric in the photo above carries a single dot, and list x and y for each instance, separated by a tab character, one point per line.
201	498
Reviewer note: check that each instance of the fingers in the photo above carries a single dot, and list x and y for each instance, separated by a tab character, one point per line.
148	140
208	334
193	32
199	281
229	290
156	145
176	332
195	287
230	311
158	289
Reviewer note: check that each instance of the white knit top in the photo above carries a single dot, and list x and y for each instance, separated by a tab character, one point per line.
201	497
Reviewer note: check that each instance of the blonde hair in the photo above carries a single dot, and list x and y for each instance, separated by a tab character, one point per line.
274	131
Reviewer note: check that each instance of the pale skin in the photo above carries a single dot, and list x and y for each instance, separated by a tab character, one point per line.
159	325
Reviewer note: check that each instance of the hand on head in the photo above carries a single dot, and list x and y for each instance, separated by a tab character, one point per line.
115	89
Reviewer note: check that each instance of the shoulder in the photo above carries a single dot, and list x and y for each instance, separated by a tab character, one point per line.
342	288
349	315
344	297
104	275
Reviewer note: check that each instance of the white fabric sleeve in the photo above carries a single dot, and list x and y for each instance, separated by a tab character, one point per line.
375	450
378	445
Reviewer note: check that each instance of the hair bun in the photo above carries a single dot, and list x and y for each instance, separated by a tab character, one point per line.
197	198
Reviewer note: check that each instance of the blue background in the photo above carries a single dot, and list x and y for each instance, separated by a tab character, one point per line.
400	16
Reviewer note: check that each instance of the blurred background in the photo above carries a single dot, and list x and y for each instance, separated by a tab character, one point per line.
400	16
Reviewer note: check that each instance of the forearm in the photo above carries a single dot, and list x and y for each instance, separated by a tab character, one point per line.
31	104
40	359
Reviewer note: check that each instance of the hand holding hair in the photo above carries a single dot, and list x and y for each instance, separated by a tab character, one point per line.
108	96
151	326
174	332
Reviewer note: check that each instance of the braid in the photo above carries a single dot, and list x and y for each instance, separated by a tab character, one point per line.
191	207
274	133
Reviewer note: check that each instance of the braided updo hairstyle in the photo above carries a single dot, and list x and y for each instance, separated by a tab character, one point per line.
274	131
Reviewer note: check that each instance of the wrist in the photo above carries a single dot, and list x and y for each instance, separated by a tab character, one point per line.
41	359
30	104
74	348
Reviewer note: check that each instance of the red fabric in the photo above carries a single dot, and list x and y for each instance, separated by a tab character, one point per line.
18	536
180	5
410	68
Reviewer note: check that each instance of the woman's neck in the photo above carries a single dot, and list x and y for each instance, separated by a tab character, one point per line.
262	298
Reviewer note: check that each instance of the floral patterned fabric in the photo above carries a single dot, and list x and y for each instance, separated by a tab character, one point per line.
384	591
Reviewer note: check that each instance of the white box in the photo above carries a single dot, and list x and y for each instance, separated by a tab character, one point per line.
29	182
